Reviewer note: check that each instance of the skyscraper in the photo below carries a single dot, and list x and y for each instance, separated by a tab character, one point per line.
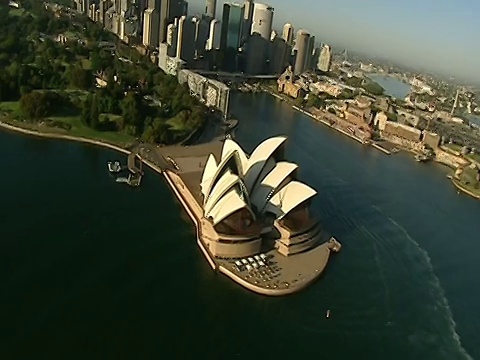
301	42
247	19
262	20
279	55
309	59
211	42
210	8
325	60
287	33
232	21
169	10
150	27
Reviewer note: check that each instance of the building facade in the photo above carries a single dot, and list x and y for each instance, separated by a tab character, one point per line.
211	8
301	43
262	20
325	59
232	22
287	33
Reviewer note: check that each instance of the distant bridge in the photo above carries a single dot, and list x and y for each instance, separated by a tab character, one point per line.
229	75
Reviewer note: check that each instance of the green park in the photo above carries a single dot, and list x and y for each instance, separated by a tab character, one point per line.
66	75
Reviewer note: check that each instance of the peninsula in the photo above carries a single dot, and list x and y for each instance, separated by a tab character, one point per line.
251	214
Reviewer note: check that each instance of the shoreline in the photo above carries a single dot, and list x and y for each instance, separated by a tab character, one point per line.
463	189
326	123
372	144
178	191
48	135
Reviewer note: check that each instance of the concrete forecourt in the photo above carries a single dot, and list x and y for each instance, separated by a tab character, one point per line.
251	214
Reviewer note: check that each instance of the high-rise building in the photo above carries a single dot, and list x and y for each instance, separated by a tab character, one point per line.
301	43
232	22
247	19
212	36
279	56
325	60
273	35
287	33
150	27
262	20
169	10
257	51
309	59
172	38
210	8
202	30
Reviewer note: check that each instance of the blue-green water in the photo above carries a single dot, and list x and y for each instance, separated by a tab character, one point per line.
393	87
94	269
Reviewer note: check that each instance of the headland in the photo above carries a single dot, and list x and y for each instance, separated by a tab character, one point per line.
265	265
258	260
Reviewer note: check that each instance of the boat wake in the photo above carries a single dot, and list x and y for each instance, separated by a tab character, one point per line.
436	286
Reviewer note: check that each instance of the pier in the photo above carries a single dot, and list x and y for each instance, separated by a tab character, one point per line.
132	163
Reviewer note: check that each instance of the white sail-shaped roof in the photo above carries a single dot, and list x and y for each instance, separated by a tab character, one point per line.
226	206
258	182
289	197
230	146
210	182
226	183
208	173
269	185
259	159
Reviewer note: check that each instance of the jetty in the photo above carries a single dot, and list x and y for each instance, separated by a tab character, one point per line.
131	174
134	163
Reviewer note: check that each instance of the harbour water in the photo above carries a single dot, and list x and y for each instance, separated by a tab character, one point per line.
95	270
393	87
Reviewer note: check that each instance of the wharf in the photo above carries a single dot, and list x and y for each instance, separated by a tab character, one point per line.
132	163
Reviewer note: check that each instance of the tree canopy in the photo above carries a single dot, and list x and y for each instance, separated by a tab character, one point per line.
47	60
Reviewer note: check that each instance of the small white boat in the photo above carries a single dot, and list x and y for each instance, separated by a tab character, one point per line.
327	315
114	167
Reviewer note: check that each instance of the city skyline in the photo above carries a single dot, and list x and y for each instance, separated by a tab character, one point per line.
423	34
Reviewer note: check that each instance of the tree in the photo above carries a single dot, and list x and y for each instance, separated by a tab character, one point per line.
315	101
80	77
86	110
131	111
35	105
94	114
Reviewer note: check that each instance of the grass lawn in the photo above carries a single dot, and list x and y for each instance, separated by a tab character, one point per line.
453	148
16	12
11	109
79	129
468	181
473	158
177	123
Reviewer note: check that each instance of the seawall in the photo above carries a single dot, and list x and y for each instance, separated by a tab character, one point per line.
63	137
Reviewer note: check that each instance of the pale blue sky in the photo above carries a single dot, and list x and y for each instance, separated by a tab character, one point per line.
436	34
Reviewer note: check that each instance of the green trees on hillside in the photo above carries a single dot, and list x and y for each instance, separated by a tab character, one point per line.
42	74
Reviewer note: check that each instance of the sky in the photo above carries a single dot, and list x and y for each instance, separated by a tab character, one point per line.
439	35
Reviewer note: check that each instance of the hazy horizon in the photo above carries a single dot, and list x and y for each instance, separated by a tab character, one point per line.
437	35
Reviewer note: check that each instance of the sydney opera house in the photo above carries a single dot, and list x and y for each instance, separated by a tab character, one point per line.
256	201
252	215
